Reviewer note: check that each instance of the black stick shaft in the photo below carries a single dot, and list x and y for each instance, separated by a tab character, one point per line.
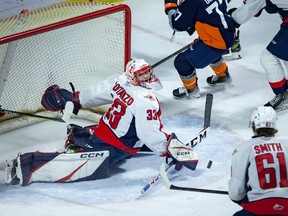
31	115
174	187
170	56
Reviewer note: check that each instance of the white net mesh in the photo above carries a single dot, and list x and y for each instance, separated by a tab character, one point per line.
82	43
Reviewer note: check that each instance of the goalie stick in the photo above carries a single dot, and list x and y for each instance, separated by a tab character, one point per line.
195	141
65	117
170	186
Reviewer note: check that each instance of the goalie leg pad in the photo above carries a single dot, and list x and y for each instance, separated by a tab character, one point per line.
10	172
61	167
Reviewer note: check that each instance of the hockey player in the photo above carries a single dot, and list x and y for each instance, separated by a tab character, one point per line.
276	51
132	120
259	180
216	32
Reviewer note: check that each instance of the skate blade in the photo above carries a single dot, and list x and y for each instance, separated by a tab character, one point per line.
232	56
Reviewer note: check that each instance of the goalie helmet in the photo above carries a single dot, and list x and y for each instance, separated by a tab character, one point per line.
140	73
264	117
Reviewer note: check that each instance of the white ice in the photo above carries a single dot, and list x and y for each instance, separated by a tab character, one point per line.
120	194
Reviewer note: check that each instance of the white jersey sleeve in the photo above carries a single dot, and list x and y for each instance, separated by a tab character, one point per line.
99	94
147	122
248	10
239	167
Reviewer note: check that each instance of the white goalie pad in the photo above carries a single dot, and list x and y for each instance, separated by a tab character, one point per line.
62	167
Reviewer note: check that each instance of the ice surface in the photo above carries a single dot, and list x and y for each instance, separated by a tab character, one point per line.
120	194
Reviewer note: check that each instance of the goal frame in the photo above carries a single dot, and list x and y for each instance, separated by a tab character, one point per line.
91	114
75	20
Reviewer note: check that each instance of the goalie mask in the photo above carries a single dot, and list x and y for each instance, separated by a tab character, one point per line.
140	73
264	117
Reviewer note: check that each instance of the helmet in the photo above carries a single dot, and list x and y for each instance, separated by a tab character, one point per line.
264	117
140	73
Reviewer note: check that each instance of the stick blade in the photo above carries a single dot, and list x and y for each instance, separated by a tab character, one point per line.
164	176
69	107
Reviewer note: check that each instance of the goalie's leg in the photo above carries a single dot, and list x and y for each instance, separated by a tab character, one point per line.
57	167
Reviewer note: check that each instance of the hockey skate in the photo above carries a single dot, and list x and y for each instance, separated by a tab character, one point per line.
182	92
234	52
279	102
10	172
215	80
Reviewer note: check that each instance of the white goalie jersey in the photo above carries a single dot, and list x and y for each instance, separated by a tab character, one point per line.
133	118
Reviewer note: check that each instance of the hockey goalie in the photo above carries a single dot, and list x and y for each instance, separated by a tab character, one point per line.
132	120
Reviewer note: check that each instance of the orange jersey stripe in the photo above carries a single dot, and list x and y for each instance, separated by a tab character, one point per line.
210	35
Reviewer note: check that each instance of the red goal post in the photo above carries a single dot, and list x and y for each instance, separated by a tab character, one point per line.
80	42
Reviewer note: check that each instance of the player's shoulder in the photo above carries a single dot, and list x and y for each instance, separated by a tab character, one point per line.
247	145
137	92
143	93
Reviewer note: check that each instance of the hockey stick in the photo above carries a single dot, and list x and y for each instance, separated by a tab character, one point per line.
196	140
156	178
170	186
65	118
170	56
193	143
207	119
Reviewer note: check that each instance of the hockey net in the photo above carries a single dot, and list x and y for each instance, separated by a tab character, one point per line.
82	43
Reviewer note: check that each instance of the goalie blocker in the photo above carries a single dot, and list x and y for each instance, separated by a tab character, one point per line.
57	167
181	154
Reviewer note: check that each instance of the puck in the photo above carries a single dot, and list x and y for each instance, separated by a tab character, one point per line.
209	164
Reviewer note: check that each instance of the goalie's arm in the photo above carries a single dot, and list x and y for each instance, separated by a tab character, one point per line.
99	94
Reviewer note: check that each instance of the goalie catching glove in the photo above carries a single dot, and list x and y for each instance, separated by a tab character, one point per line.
55	98
181	154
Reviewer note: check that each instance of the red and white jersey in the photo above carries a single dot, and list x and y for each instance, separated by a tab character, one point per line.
252	7
260	176
133	118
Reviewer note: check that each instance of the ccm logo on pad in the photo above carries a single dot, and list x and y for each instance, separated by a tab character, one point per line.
92	155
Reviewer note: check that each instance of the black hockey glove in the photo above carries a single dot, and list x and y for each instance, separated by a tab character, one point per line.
259	13
230	11
169	5
54	99
191	30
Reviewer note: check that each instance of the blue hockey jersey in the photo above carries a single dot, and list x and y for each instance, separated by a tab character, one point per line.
210	19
